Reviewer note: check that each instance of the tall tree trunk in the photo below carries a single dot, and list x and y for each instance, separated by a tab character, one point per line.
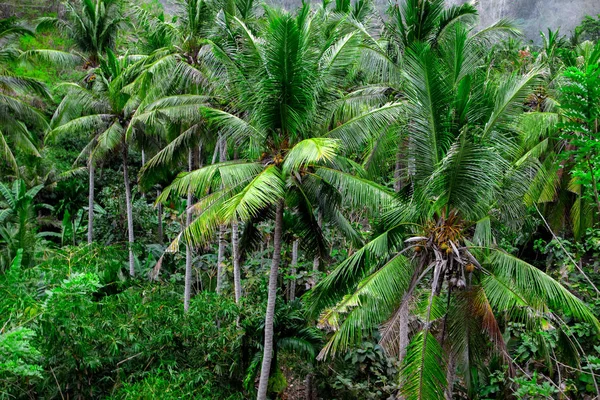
313	281
272	297
188	248
308	384
143	163
403	340
237	279
222	241
235	250
292	288
92	171
160	220
129	210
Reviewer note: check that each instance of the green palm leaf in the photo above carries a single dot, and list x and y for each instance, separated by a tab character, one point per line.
424	372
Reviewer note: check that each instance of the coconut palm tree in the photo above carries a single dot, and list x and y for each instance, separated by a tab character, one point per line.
290	121
92	24
103	107
432	278
17	116
408	22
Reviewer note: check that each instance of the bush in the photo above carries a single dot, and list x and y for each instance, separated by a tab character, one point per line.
100	335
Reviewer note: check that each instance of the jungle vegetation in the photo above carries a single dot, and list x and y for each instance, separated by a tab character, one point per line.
236	200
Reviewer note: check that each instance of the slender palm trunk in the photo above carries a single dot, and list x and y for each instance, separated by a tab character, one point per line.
308	384
222	231
92	171
313	281
403	340
221	260
450	376
129	211
159	232
272	297
235	250
188	248
292	288
237	280
143	163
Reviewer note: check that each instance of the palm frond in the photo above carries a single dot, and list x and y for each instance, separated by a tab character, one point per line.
264	190
374	300
535	287
312	151
423	375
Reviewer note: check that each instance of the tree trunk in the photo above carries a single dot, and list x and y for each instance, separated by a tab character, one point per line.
160	221
313	281
92	171
403	340
272	297
188	248
292	288
450	375
129	211
237	280
222	242
143	163
221	259
308	384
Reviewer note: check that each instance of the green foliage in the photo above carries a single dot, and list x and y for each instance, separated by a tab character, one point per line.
460	290
589	29
90	324
581	108
531	388
17	357
364	372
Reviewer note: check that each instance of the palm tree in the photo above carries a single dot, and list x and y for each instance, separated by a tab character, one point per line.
435	252
92	24
409	22
107	110
18	220
16	114
288	119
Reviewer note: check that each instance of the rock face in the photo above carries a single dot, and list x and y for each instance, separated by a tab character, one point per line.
533	16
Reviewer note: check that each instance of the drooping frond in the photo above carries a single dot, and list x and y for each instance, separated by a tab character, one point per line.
361	312
360	192
424	374
346	276
360	129
265	189
509	99
534	287
210	177
467	178
312	151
